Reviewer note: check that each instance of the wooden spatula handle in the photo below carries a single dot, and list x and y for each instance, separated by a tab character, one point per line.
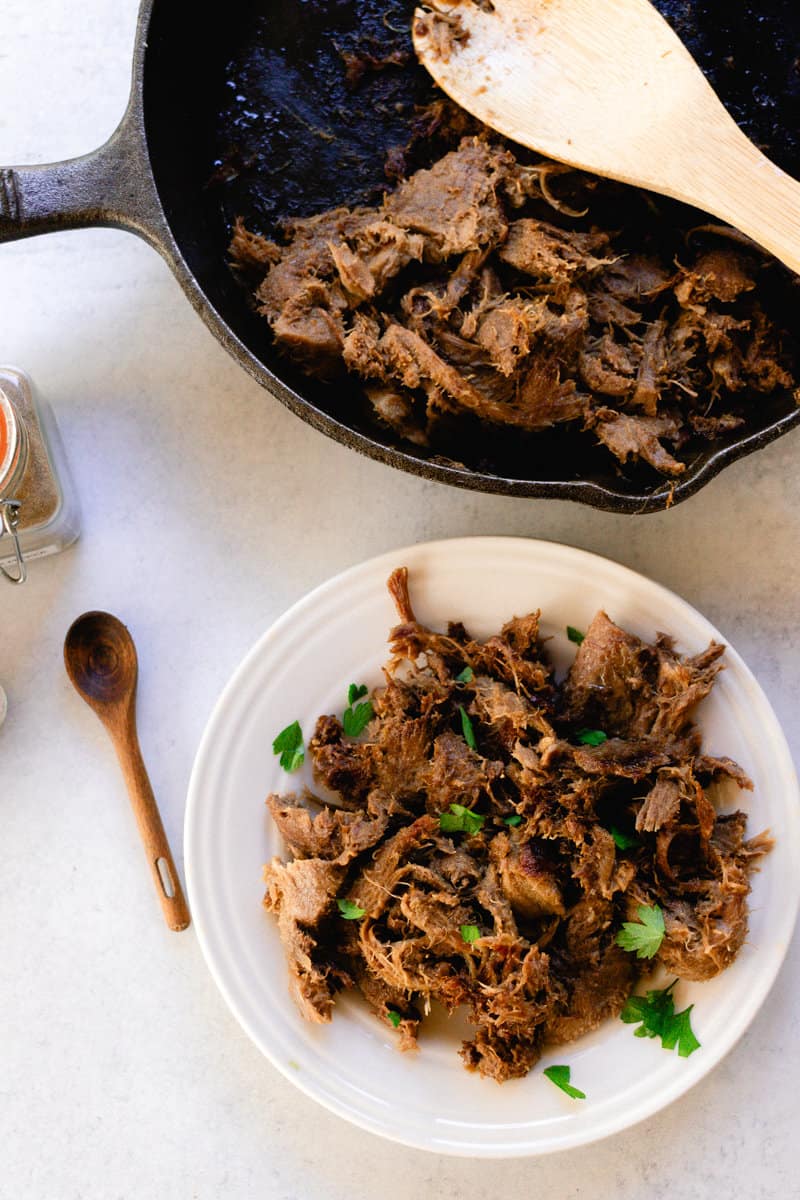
743	187
154	839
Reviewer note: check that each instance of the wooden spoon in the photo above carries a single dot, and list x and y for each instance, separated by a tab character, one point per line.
101	661
605	85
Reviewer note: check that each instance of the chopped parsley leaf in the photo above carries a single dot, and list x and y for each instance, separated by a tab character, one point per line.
575	635
515	819
651	1010
678	1032
461	820
393	1017
466	728
560	1077
470	933
465	676
349	910
645	935
356	719
623	841
655	1014
591	737
289	744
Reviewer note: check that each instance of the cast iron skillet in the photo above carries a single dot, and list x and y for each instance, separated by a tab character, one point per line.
247	111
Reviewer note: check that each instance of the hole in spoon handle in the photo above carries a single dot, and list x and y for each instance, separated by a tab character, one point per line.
165	875
173	904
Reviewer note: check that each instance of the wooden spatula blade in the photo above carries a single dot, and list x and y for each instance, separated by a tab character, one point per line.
530	69
605	85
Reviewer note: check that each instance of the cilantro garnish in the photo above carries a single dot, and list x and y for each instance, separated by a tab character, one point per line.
466	728
349	910
645	935
575	635
591	737
515	819
623	841
356	719
289	744
461	820
470	933
560	1077
656	1016
465	676
393	1017
678	1032
651	1010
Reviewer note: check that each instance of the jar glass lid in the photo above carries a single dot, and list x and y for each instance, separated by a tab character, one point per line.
9	440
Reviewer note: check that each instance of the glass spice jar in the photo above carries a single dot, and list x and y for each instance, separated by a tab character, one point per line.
38	506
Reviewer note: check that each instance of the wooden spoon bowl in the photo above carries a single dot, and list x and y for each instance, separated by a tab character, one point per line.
101	661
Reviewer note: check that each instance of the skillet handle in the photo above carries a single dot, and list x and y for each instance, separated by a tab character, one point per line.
111	186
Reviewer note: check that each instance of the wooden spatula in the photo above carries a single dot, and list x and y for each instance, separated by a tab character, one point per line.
605	85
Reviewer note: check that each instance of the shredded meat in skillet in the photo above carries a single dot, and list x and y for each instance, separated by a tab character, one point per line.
454	301
548	892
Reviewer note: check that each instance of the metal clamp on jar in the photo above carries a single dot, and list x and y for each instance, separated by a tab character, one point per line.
38	508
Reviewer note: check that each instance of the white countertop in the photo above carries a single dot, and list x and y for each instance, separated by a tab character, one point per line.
208	509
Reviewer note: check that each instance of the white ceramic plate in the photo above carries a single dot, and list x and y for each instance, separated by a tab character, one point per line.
301	667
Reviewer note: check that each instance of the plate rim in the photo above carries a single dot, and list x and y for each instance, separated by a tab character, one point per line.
386	561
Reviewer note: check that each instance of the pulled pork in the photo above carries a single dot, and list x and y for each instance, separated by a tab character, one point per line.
514	916
474	298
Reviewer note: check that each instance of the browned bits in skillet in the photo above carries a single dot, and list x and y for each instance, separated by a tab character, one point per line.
366	59
473	296
430	839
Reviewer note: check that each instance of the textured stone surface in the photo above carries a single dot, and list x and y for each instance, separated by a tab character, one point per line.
208	508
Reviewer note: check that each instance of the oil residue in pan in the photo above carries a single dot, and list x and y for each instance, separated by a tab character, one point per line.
317	95
750	52
302	128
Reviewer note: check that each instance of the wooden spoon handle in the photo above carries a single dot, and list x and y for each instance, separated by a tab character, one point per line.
743	187
154	839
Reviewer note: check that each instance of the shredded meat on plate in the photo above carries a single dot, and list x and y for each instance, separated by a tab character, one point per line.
536	881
